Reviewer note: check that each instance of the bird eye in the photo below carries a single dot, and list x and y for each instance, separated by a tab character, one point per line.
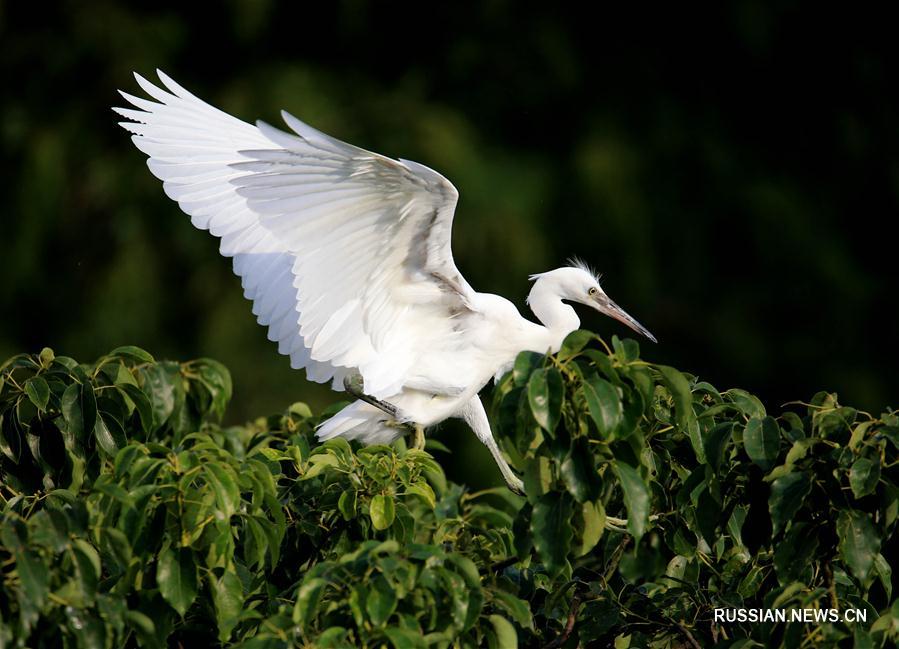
592	291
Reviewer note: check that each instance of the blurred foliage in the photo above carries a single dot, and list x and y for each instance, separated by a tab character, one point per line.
129	517
733	171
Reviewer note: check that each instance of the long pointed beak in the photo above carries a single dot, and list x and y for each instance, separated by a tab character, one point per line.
605	305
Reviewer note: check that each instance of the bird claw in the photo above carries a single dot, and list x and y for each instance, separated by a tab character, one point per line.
355	386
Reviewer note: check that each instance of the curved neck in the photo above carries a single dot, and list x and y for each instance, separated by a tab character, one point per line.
558	318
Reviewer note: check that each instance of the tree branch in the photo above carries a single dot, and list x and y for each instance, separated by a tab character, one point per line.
569	625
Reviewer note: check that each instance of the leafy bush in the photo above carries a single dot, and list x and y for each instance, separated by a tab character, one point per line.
130	517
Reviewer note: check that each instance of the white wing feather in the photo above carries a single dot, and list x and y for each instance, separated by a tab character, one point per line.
345	253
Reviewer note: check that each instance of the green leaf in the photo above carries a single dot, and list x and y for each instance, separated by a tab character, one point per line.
381	601
545	395
38	392
795	553
525	363
859	543
604	405
346	504
628	350
217	379
594	516
160	391
227	596
517	608
11	435
679	388
109	434
176	575
717	442
885	574
135	353
382	511
87	563
227	493
79	410
33	575
308	597
574	343
787	496
506	636
141	404
424	491
746	403
761	439
636	498
552	531
404	638
143	626
579	472
864	476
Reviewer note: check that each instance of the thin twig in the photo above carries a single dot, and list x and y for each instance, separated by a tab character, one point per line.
569	625
687	633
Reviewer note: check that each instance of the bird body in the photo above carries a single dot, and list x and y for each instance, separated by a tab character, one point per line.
346	257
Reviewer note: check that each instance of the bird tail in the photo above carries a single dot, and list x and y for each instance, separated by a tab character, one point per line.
361	421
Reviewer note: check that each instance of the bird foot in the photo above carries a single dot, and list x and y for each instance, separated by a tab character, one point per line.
418	437
354	385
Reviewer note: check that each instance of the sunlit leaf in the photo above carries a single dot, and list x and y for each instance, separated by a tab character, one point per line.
382	511
38	392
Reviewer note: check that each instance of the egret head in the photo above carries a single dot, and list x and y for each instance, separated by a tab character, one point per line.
579	283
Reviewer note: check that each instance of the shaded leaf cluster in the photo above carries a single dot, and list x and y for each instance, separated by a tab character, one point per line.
132	517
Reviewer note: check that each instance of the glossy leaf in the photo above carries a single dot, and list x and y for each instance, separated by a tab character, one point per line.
761	439
506	635
228	598
133	353
679	388
604	404
308	597
787	496
859	543
864	476
579	472
176	575
382	511
552	531
545	394
381	601
636	498
38	392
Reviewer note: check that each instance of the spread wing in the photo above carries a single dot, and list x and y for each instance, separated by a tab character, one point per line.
345	253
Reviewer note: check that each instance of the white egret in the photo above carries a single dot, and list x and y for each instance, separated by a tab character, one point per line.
346	257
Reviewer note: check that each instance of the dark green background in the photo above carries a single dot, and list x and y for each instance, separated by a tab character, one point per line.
733	173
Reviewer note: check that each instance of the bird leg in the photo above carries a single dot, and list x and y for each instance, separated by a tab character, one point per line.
418	439
353	385
474	415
